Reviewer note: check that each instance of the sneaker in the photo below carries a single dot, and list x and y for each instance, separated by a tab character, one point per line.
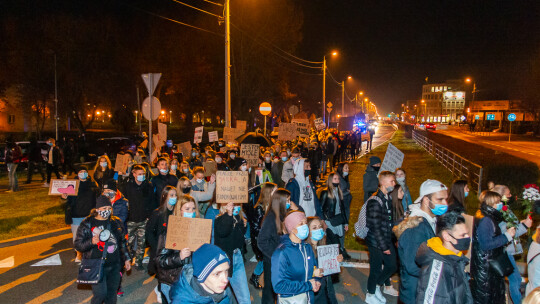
158	294
372	299
120	293
389	290
146	260
45	185
379	295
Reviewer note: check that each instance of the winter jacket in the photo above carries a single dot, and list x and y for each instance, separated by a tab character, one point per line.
294	187
229	234
156	226
277	170
268	239
81	205
161	181
292	268
521	229
379	222
103	177
182	291
345	187
83	240
442	278
488	243
287	171
328	206
141	200
370	180
168	262
255	218
411	233
120	208
57	157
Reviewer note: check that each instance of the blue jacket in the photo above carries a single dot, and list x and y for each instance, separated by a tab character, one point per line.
121	208
183	293
294	188
411	233
292	268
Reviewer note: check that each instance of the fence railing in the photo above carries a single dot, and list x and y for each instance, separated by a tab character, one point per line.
457	165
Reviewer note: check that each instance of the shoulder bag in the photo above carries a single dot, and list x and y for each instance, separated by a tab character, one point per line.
91	270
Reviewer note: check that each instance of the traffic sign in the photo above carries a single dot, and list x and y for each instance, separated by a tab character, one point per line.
293	110
150	81
476	117
329	109
329	104
490	117
512	117
265	108
156	108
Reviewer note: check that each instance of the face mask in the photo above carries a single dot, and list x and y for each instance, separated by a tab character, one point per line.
172	201
218	160
193	154
103	164
243	168
400	180
83	175
307	173
220	144
345	174
271	154
439	209
164	171
141	178
317	234
236	210
104	213
259	165
376	168
335	185
232	156
287	206
284	159
190	214
268	159
462	244
199	180
50	144
499	206
186	190
466	193
186	170
110	195
389	189
173	167
303	232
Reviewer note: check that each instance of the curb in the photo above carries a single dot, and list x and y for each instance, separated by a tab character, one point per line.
34	237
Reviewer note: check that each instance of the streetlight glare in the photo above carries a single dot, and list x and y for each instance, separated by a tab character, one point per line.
361	93
468	79
349	77
334	53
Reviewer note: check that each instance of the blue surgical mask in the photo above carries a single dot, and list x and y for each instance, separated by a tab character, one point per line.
288	206
440	209
303	232
193	154
141	178
103	164
345	174
236	210
173	167
499	206
317	234
83	175
172	201
164	171
190	214
466	193
284	159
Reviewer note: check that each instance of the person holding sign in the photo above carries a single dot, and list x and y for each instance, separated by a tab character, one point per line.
169	262
333	208
229	231
318	237
295	276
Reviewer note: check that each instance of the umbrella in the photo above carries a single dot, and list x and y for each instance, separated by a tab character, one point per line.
254	138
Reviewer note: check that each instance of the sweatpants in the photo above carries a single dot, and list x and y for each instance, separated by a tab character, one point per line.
381	267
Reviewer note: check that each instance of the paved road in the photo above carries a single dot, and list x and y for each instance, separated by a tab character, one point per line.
24	283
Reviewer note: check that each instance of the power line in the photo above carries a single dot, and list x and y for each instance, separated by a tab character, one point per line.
337	82
214	3
196	8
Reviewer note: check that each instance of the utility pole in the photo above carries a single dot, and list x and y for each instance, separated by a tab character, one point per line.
227	64
343	98
55	99
324	90
139	110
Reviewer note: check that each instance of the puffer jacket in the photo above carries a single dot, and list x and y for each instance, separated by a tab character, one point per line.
328	206
168	262
442	278
488	242
380	223
83	241
182	291
255	217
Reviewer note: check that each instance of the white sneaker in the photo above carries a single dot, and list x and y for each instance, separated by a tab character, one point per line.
379	295
158	294
389	290
372	299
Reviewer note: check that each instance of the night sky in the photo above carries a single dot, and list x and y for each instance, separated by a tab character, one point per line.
391	46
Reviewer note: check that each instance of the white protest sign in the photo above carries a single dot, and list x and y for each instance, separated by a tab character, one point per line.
198	135
393	159
302	127
213	136
328	258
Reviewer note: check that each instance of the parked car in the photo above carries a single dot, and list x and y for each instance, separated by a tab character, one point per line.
25	145
430	126
111	146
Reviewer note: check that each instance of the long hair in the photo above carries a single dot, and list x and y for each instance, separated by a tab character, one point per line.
279	208
181	181
97	166
185	199
330	187
266	195
396	201
457	192
165	195
322	242
340	170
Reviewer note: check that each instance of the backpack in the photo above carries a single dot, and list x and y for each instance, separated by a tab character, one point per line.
360	227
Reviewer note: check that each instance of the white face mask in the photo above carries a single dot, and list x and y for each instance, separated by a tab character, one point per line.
243	168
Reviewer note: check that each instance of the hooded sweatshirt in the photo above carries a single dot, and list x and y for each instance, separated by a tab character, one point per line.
371	180
292	268
183	292
303	192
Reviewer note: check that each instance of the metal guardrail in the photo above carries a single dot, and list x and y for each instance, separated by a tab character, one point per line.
457	165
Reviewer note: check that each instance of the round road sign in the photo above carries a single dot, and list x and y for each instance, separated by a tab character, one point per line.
293	110
512	117
265	108
156	108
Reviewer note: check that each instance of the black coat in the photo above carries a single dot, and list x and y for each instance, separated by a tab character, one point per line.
81	205
161	181
229	234
142	200
255	217
380	223
105	176
168	262
328	206
268	239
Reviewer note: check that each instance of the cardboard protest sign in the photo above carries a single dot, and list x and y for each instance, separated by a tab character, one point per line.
198	135
328	258
250	152
393	159
184	232
319	124
210	167
287	131
122	162
232	186
213	136
64	186
231	134
241	124
184	148
302	127
162	132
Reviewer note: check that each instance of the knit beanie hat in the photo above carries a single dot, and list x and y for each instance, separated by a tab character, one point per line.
206	259
103	201
292	220
111	185
374	160
83	167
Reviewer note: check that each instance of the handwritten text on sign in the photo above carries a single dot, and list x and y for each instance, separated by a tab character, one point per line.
250	152
198	135
183	232
232	186
328	259
213	136
287	131
393	159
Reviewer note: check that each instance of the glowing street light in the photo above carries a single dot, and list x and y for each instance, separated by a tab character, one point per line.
334	53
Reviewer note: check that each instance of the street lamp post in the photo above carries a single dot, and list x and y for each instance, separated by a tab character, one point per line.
324	89
227	64
55	99
343	98
170	117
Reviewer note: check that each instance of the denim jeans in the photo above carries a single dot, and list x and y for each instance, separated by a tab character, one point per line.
514	282
258	269
12	176
165	291
238	280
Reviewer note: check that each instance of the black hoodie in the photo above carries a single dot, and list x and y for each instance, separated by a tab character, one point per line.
80	205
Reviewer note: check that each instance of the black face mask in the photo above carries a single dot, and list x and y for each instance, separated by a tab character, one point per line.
335	184
307	173
462	244
186	190
376	168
